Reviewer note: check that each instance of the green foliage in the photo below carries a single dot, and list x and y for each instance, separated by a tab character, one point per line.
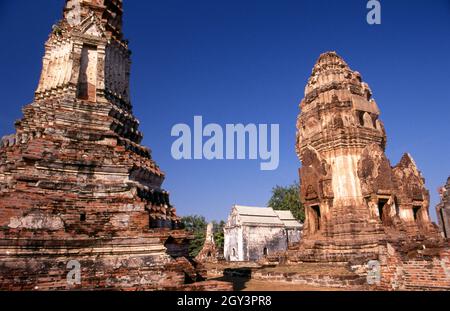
288	198
283	198
197	225
218	234
194	223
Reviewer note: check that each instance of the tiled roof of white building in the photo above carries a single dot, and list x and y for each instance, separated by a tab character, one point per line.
266	216
288	219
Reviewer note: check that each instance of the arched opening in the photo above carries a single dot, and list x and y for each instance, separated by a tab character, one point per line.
416	210
87	81
315	218
265	251
381	207
360	116
444	225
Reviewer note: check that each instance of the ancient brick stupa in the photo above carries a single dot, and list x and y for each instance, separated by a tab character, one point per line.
354	199
75	182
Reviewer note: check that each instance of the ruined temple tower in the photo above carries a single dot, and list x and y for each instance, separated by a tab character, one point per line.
443	209
354	199
75	182
209	251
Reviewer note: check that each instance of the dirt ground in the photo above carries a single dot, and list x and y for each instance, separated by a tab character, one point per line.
311	269
257	285
246	283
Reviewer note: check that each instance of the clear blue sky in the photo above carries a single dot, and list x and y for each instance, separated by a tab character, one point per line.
248	61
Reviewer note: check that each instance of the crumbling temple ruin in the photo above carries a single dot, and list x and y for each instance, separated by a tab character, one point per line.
349	189
443	209
209	251
76	185
358	207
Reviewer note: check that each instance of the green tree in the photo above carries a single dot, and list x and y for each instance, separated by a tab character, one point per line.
288	199
218	234
195	224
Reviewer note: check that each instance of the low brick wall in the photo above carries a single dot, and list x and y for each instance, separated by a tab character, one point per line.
420	269
312	280
320	275
216	286
427	272
131	264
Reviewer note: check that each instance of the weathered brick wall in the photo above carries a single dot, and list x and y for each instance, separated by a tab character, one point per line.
424	272
125	264
310	279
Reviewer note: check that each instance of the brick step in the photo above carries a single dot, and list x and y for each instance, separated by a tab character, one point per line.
312	274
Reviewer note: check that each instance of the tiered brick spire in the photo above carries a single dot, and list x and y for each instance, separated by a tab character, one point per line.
110	12
75	182
85	63
86	56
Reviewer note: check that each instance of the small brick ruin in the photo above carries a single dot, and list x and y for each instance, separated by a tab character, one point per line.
358	207
75	182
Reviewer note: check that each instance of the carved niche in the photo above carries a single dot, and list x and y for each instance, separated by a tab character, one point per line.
315	177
